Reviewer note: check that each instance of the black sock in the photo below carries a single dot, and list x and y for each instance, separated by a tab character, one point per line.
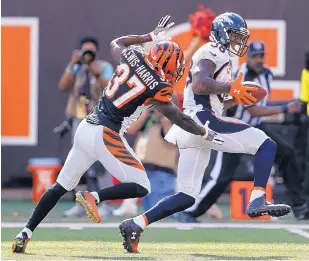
45	205
122	191
169	206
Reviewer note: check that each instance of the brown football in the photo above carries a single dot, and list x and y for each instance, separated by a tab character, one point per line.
259	94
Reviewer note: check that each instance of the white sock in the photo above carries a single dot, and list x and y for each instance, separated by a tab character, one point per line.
256	193
28	232
96	195
140	220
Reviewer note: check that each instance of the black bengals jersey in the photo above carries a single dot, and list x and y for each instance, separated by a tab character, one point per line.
133	84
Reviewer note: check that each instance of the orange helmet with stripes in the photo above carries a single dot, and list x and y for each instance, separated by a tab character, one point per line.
167	58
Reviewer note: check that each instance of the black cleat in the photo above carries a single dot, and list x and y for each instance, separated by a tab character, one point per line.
20	243
130	233
260	207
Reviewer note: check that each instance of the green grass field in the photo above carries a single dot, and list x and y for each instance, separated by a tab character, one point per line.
57	240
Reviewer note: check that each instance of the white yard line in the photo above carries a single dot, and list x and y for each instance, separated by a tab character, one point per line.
167	225
298	232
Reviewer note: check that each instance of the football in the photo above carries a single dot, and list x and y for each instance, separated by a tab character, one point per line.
259	94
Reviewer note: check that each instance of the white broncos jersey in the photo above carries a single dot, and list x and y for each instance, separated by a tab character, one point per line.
220	56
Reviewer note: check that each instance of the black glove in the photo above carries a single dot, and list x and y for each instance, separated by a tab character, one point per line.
64	127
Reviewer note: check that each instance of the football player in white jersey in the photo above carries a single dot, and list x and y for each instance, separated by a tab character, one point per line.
210	90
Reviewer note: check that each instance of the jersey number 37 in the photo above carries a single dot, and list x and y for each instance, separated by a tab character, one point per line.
136	87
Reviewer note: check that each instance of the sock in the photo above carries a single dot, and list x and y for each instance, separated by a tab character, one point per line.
122	191
45	205
169	206
256	193
264	159
96	195
28	232
141	220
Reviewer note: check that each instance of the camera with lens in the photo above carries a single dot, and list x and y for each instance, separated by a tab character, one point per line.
88	56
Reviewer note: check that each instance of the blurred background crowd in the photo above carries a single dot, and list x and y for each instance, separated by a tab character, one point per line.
64	66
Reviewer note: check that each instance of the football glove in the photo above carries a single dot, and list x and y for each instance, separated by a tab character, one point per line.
241	93
164	24
211	135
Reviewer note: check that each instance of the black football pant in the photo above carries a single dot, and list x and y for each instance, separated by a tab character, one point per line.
225	166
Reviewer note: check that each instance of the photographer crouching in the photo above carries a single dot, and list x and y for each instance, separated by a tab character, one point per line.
85	77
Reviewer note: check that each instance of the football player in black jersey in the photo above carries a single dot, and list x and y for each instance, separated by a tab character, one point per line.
141	80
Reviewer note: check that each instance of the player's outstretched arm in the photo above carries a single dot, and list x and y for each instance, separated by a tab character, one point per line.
170	111
119	44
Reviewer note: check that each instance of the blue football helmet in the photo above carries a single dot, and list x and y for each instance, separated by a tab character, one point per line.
224	25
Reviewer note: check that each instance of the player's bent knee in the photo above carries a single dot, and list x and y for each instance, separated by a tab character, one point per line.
58	189
186	200
188	189
145	184
141	191
269	145
65	182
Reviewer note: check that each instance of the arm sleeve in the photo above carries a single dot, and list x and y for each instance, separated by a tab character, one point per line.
304	94
164	94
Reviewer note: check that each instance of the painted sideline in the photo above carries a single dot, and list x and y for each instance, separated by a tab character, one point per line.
163	225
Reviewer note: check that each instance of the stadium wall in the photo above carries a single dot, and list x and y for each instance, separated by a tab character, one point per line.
32	105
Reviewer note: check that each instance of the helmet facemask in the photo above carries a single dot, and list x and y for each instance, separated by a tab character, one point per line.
178	73
237	46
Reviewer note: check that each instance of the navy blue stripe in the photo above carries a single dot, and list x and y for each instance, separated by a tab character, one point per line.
218	125
220	70
203	100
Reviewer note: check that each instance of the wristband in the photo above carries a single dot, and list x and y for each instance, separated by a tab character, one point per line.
284	108
73	69
152	36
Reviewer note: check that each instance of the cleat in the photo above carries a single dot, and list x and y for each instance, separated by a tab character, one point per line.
130	233
20	243
89	203
260	207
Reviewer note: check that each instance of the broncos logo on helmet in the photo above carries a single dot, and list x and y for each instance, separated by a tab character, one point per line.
226	24
167	59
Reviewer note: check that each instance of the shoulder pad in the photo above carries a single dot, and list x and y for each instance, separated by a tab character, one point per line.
214	52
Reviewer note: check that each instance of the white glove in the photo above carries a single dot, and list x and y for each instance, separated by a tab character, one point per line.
212	136
164	24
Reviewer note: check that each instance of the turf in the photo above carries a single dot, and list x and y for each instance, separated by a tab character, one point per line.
99	250
228	235
156	243
161	244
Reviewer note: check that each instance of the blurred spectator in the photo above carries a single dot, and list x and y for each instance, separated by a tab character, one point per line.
85	77
304	97
226	163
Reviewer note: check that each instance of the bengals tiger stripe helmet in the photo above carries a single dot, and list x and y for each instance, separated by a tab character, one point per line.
167	58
